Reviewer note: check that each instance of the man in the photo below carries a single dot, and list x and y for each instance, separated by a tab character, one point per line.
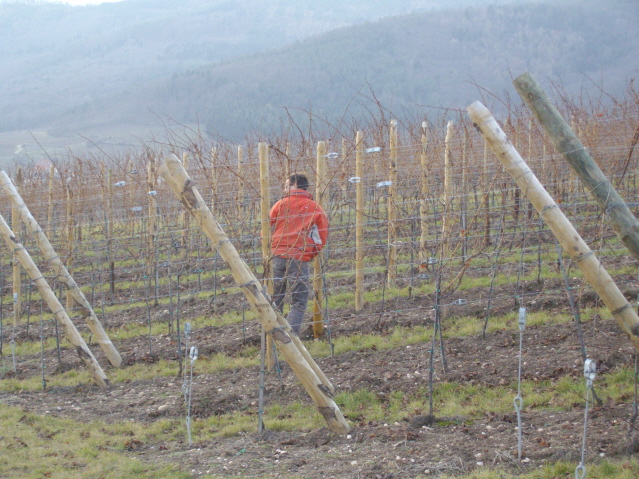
300	231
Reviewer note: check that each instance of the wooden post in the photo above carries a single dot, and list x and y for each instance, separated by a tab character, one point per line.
240	182
152	228
17	280
56	307
448	168
70	236
213	176
289	345
392	206
318	277
570	240
423	203
50	208
59	269
265	207
359	222
486	192
566	142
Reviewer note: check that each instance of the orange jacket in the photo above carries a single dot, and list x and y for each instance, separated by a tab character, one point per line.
300	226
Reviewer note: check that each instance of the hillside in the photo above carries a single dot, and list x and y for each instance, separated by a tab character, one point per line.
58	58
428	59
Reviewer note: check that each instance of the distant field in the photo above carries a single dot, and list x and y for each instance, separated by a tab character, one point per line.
36	144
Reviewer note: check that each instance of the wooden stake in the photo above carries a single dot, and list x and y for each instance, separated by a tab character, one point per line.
566	142
359	222
392	206
289	345
265	207
570	240
423	204
56	307
17	280
50	208
318	283
448	169
59	270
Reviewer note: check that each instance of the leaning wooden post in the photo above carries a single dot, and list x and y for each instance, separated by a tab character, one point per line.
448	168
289	345
59	269
359	221
17	269
265	207
392	206
570	241
566	142
423	203
56	307
318	277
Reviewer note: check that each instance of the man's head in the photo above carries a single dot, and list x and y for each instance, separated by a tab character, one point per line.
296	180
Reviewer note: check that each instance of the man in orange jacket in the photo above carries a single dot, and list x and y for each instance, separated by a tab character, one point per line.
300	231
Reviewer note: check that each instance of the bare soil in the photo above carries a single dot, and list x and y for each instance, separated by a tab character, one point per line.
419	445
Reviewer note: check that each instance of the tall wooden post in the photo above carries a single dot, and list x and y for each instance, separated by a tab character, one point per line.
392	206
289	345
318	277
56	307
17	269
448	171
486	194
152	225
240	182
58	268
568	237
423	203
265	207
359	221
214	159
70	230
566	142
50	226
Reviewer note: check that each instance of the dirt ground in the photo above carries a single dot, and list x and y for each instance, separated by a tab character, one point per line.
417	446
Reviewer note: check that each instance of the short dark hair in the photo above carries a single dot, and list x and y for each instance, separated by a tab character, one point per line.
298	180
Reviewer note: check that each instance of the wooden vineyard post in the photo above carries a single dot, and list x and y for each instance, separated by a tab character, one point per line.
240	182
152	227
59	269
568	237
423	203
16	268
448	170
70	237
184	217
486	194
213	176
318	277
359	221
567	144
289	345
265	207
392	206
109	232
50	204
56	307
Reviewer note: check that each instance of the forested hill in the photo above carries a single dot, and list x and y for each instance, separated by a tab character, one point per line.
56	58
407	62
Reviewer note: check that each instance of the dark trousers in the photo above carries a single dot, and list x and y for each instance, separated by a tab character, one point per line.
295	272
